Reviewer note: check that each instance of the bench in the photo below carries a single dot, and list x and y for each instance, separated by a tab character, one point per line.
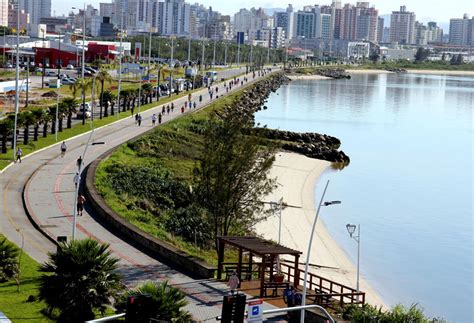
275	287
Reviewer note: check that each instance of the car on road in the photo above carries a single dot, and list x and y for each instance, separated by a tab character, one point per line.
90	69
84	109
70	67
50	73
67	81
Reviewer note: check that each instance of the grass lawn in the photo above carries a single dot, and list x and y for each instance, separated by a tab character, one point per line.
13	304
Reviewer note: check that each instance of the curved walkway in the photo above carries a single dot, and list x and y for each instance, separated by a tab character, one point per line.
47	181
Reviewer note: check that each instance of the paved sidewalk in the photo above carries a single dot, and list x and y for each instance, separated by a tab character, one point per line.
49	196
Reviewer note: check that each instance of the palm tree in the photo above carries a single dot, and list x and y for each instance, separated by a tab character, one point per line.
79	279
147	89
165	305
27	119
103	77
52	117
82	85
69	106
39	118
107	98
8	260
6	129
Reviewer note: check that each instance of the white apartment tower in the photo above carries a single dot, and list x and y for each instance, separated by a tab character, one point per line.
3	12
461	30
402	26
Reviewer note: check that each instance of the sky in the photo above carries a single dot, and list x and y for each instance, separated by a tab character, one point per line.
426	10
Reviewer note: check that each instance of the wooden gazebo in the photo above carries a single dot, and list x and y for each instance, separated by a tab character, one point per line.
266	250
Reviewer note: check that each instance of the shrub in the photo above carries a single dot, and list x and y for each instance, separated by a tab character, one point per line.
8	260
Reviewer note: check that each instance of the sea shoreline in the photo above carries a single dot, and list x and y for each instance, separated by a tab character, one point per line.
412	71
297	177
294	77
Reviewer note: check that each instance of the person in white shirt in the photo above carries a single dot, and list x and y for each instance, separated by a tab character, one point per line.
19	153
233	282
77	179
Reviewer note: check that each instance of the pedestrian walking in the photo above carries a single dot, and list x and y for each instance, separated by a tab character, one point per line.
182	109
189	97
163	110
136	118
80	204
76	180
185	104
200	98
139	119
19	153
194	104
153	119
172	106
63	149
79	163
234	282
159	118
217	89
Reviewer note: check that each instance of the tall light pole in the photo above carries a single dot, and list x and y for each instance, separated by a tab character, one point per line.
310	243
214	51
351	229
278	207
149	55
120	63
83	60
202	57
17	77
171	63
238	52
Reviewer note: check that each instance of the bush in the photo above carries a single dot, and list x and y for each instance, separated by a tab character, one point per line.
8	260
398	314
191	224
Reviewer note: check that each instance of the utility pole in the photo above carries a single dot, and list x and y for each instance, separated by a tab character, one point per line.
17	76
189	50
214	51
149	55
120	63
238	52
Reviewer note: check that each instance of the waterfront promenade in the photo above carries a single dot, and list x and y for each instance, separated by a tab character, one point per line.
46	182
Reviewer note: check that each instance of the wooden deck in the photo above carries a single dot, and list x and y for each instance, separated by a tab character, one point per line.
253	288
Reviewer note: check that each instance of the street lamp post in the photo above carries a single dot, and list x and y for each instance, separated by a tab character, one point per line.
351	229
83	59
278	207
17	77
120	64
310	245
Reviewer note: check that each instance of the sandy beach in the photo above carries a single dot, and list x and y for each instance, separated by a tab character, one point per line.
367	71
442	72
308	77
297	176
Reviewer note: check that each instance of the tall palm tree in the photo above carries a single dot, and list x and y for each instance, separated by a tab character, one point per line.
27	120
8	260
107	98
147	89
69	106
165	305
79	279
82	85
6	129
103	77
39	118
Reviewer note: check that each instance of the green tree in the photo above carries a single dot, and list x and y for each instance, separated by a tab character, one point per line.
107	98
103	77
233	175
374	56
39	118
68	106
422	54
8	260
166	302
26	119
79	279
81	85
6	128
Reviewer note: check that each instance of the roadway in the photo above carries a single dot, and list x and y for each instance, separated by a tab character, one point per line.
47	182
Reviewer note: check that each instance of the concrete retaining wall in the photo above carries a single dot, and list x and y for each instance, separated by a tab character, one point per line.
194	266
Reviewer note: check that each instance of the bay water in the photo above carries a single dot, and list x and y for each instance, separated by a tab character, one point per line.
409	184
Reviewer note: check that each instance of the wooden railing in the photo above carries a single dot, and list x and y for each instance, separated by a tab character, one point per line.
321	291
324	292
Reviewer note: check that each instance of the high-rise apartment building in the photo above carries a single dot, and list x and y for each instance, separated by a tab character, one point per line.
36	9
380	26
461	31
402	26
106	9
359	22
12	17
171	17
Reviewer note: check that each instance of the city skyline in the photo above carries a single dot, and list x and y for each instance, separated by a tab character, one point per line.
426	10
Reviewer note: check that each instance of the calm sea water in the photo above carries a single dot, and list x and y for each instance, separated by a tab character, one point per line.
409	184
